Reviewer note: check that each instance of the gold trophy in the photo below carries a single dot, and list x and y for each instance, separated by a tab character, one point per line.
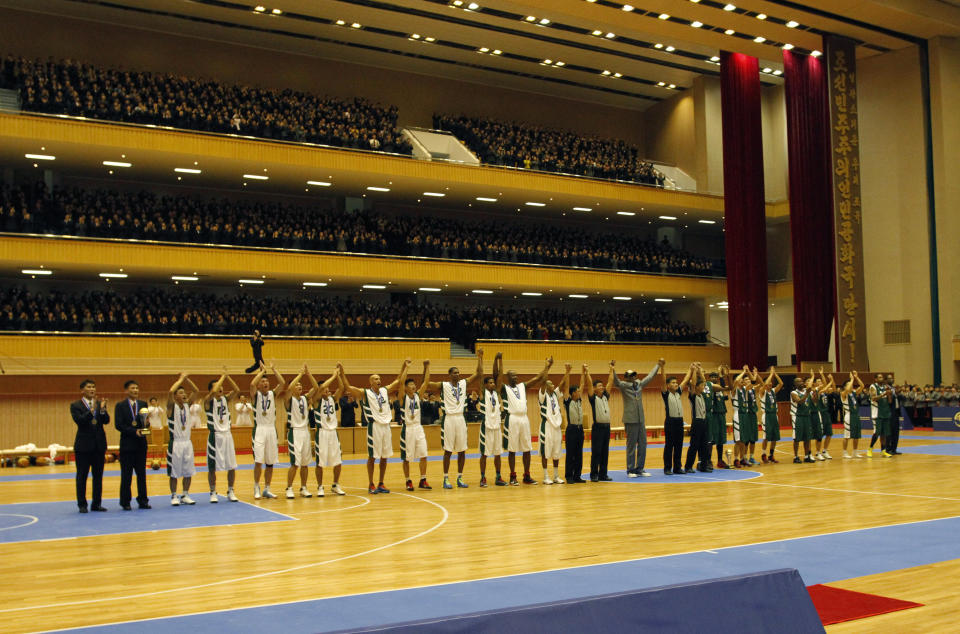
142	424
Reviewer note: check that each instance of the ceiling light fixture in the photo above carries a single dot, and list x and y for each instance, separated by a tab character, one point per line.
276	12
577	296
626	213
792	24
778	72
36	272
761	16
376	287
662	299
583	208
257	177
622	298
531	294
41	157
788	47
113	275
670	49
319	183
598	33
314	283
117	164
429	289
529	204
759	39
815	54
667	217
544	22
730	7
482	291
356	25
729	32
250	281
186	170
628	7
707	222
696	24
378	189
434	194
184	278
715	58
664	16
484	199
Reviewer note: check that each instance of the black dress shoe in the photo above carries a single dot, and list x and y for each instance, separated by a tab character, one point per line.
606	479
146	505
98	508
667	472
678	472
594	479
83	509
126	507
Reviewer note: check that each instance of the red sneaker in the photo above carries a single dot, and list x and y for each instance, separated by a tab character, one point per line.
425	485
722	465
736	463
409	485
773	460
763	457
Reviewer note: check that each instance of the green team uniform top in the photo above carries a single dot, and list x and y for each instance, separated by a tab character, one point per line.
883	405
769	402
803	405
709	394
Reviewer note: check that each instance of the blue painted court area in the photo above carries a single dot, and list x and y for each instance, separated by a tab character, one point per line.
820	559
946	449
59	520
657	476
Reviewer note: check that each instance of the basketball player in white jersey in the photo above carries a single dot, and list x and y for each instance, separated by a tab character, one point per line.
551	422
491	436
179	445
453	394
326	443
299	448
375	401
221	454
516	425
264	428
413	442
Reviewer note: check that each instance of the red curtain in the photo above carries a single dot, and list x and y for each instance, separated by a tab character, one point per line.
744	209
811	204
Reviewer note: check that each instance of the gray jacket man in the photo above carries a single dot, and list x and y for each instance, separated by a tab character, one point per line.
632	391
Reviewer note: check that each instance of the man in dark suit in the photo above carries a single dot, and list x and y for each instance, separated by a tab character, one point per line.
90	445
134	430
893	440
256	346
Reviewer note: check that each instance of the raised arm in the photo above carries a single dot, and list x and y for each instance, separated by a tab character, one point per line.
173	388
234	388
213	390
423	382
565	384
657	369
774	375
287	388
538	380
355	391
281	386
859	382
256	380
611	377
400	377
314	386
584	380
498	369
478	372
427	383
685	383
194	390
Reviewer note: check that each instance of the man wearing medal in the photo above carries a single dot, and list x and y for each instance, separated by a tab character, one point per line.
179	444
453	430
265	452
378	415
130	419
516	425
90	444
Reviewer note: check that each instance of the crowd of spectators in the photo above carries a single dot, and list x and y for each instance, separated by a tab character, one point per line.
918	400
536	147
165	99
182	311
148	216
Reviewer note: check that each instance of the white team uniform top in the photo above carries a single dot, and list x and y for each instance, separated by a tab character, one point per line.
411	410
155	416
454	396
325	415
377	406
490	406
265	409
298	413
244	414
550	407
218	415
515	398
179	423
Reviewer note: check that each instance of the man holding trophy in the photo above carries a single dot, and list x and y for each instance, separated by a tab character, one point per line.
130	419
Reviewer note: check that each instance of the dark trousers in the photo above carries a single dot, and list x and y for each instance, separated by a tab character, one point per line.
130	461
673	445
893	440
699	447
573	467
257	360
88	461
599	450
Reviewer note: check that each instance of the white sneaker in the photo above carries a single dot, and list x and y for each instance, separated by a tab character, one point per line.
858	455
232	496
846	455
644	474
186	499
559	480
289	493
336	489
304	493
213	497
174	500
633	475
256	491
267	493
820	457
320	491
826	454
547	481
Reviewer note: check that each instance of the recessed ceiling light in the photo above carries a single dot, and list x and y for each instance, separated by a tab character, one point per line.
670	49
658	45
378	189
256	177
792	24
626	213
547	61
622	298
788	47
661	83
184	278
628	7
429	289
250	281
340	22
529	204
415	36
715	58
707	222
759	39
430	39
664	16
186	170
560	64
40	157
610	36
473	6
761	16
730	7
531	294
577	296
483	49
497	51
378	287
482	291
117	164
36	272
778	72
356	25
583	208
815	54
696	24
319	183
276	12
768	70
598	33
544	21
662	299
314	283
434	194
112	275
530	18
484	199
617	75
672	86
259	8
667	217
729	32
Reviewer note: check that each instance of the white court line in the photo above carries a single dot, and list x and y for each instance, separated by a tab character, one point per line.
365	501
517	574
33	520
263	508
261	575
802	486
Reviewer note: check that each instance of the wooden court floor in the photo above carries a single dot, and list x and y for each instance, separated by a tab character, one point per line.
358	543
